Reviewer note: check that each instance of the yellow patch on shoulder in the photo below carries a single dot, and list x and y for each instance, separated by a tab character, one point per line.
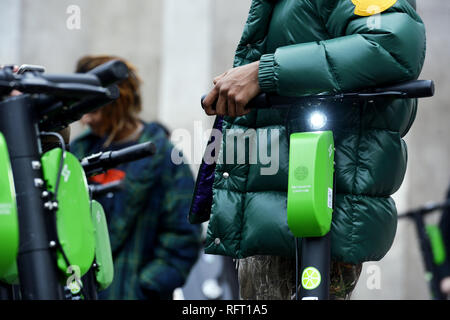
370	7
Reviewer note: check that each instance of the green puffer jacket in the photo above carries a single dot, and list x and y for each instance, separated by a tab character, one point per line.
308	47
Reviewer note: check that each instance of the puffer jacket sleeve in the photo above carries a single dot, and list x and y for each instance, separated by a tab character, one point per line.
360	52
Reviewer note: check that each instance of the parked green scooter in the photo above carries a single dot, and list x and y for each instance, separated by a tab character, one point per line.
432	246
52	234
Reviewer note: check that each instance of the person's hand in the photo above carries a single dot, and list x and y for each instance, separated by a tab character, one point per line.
14	67
14	92
232	91
445	285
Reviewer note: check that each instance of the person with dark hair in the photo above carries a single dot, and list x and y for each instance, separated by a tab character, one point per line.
154	247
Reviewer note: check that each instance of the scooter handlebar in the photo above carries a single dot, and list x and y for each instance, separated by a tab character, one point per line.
405	90
90	83
103	189
110	72
411	89
133	153
426	209
102	161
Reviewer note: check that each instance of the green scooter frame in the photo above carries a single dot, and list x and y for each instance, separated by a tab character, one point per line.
437	244
49	242
431	244
104	271
81	224
75	229
310	184
9	223
310	206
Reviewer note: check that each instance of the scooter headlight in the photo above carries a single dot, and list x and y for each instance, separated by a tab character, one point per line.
317	120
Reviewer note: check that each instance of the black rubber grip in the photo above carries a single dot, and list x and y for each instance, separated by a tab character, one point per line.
411	89
110	72
83	78
6	74
102	161
135	152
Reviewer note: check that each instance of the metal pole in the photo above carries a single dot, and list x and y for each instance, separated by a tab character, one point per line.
90	285
315	268
36	260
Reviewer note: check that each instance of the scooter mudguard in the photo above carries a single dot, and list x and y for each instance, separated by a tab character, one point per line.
9	225
103	255
310	183
437	244
73	217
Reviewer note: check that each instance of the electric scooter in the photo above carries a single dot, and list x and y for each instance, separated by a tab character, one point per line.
431	244
311	184
51	233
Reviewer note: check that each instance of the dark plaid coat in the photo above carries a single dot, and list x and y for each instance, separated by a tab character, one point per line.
154	247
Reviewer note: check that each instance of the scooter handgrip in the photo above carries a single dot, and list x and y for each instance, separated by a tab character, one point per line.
412	89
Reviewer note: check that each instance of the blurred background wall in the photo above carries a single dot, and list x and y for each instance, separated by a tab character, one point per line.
178	47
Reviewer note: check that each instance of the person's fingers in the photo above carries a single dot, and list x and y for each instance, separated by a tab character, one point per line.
210	110
15	68
208	102
219	77
240	106
234	89
221	106
231	106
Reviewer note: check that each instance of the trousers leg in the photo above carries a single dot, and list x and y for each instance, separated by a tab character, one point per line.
273	278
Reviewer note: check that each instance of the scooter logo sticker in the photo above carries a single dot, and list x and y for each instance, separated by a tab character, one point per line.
74	287
370	7
311	278
65	173
301	173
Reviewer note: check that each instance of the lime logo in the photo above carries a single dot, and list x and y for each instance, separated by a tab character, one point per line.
310	278
370	7
74	287
65	173
301	173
